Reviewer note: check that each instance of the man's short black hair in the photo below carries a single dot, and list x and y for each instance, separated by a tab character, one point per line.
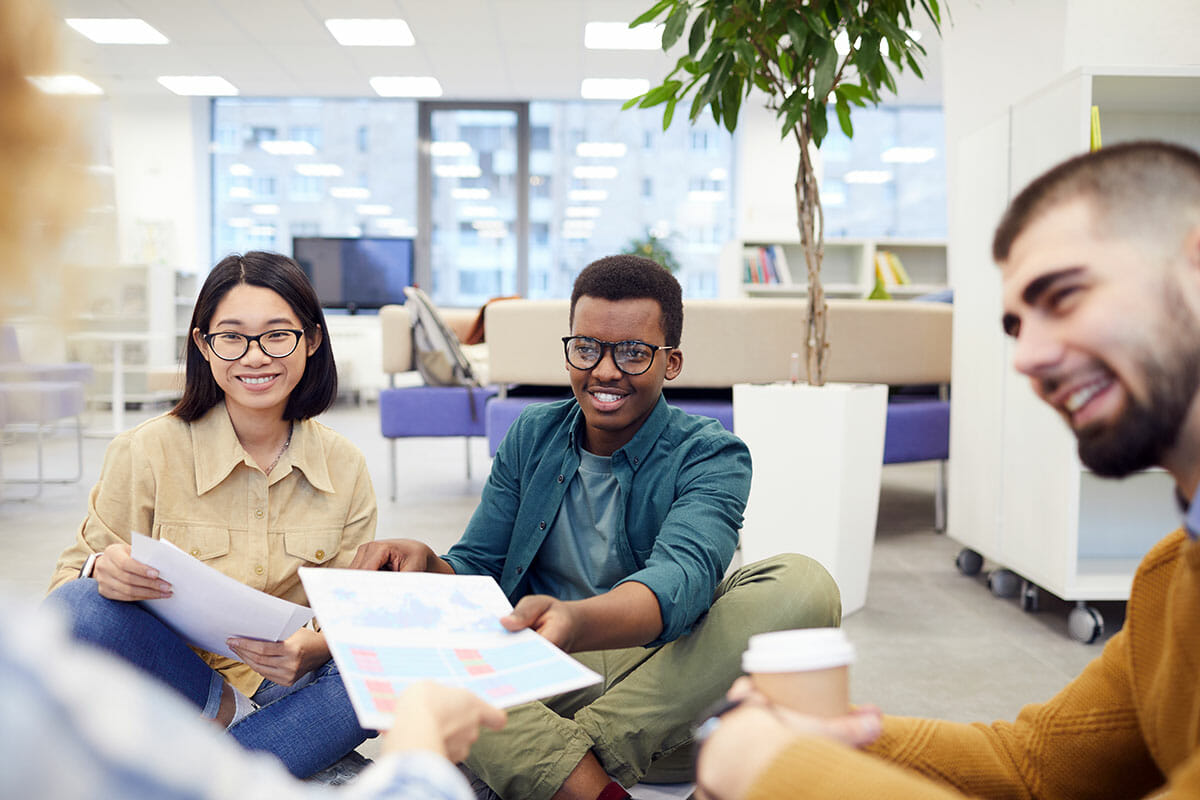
633	277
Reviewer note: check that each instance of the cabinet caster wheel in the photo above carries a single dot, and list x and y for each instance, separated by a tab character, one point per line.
1030	597
1085	624
968	561
1003	582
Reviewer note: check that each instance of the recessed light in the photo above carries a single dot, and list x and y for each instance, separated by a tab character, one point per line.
613	88
241	170
240	222
320	170
586	172
908	155
867	176
619	36
449	149
198	85
582	212
65	84
118	31
600	150
266	209
287	147
390	32
406	86
587	195
350	192
240	193
374	210
457	170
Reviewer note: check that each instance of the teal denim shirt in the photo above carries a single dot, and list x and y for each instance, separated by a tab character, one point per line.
685	480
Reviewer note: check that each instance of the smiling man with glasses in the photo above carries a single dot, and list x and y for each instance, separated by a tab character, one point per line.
610	520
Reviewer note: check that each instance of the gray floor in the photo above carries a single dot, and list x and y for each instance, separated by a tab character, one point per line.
930	641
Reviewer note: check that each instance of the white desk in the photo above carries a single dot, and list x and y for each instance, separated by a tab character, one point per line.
118	339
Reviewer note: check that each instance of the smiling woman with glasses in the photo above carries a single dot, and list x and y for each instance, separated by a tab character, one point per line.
242	477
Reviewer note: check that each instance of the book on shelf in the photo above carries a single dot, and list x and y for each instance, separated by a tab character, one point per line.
889	271
765	264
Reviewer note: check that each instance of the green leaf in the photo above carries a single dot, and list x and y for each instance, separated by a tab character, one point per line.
813	20
867	53
792	110
797	31
696	37
669	112
731	101
673	28
654	11
843	113
660	94
817	122
914	66
826	69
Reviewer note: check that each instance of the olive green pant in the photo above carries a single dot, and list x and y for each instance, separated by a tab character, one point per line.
639	718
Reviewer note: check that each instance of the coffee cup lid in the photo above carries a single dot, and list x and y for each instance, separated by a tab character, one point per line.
798	650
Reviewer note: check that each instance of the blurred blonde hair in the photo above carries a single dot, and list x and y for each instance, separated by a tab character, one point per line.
41	156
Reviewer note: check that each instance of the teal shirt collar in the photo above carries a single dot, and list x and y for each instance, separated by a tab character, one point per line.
636	449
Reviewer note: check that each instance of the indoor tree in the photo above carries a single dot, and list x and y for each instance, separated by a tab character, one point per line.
803	56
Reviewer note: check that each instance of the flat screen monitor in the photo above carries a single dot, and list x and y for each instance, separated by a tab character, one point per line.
356	273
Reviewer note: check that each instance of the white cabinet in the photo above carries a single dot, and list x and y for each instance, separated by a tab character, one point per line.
848	269
1018	493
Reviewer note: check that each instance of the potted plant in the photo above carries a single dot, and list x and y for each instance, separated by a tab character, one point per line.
802	56
654	248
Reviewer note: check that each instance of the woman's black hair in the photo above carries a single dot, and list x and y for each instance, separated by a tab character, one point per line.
317	388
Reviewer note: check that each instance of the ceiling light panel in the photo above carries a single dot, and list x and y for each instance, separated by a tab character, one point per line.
391	32
619	36
612	88
117	31
406	86
65	84
198	85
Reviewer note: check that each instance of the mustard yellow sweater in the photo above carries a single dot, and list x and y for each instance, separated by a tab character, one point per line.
1129	724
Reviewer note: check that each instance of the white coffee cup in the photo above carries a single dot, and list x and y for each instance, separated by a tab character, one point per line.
806	670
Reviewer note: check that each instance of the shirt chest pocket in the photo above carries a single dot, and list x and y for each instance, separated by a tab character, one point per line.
313	546
204	543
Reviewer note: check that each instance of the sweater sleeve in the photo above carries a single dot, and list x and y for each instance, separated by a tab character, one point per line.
1086	741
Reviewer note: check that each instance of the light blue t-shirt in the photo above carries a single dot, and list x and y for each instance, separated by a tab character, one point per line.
579	558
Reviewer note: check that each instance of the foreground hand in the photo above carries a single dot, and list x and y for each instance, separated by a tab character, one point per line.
398	555
554	619
122	578
750	737
443	719
283	662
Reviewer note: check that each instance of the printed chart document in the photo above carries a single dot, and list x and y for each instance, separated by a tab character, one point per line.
206	607
389	629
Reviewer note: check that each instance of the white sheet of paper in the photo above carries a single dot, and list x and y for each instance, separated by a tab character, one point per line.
389	629
206	607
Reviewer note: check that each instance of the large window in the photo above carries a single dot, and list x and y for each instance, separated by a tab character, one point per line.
295	167
598	179
890	179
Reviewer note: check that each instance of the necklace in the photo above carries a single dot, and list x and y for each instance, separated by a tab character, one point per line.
283	449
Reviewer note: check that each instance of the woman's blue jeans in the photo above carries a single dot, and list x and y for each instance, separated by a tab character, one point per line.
308	726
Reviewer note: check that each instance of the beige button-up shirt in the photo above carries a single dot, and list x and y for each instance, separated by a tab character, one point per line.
196	487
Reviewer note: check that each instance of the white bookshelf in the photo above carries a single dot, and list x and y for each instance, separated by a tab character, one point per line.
848	269
1018	493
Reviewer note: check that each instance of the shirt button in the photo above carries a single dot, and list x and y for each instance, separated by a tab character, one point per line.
258	512
635	459
195	552
520	570
542	525
560	478
319	554
258	570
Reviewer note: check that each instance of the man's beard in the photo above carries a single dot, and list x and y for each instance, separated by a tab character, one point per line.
1144	432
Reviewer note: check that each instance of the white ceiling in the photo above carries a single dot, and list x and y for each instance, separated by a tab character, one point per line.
477	49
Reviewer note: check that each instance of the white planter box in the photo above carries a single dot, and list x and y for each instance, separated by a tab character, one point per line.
818	454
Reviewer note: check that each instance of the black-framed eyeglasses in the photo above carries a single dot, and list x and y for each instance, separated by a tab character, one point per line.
230	346
631	356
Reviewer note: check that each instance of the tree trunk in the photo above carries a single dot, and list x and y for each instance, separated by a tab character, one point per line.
811	219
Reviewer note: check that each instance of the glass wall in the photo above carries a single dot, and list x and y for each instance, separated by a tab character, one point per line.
890	179
599	180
